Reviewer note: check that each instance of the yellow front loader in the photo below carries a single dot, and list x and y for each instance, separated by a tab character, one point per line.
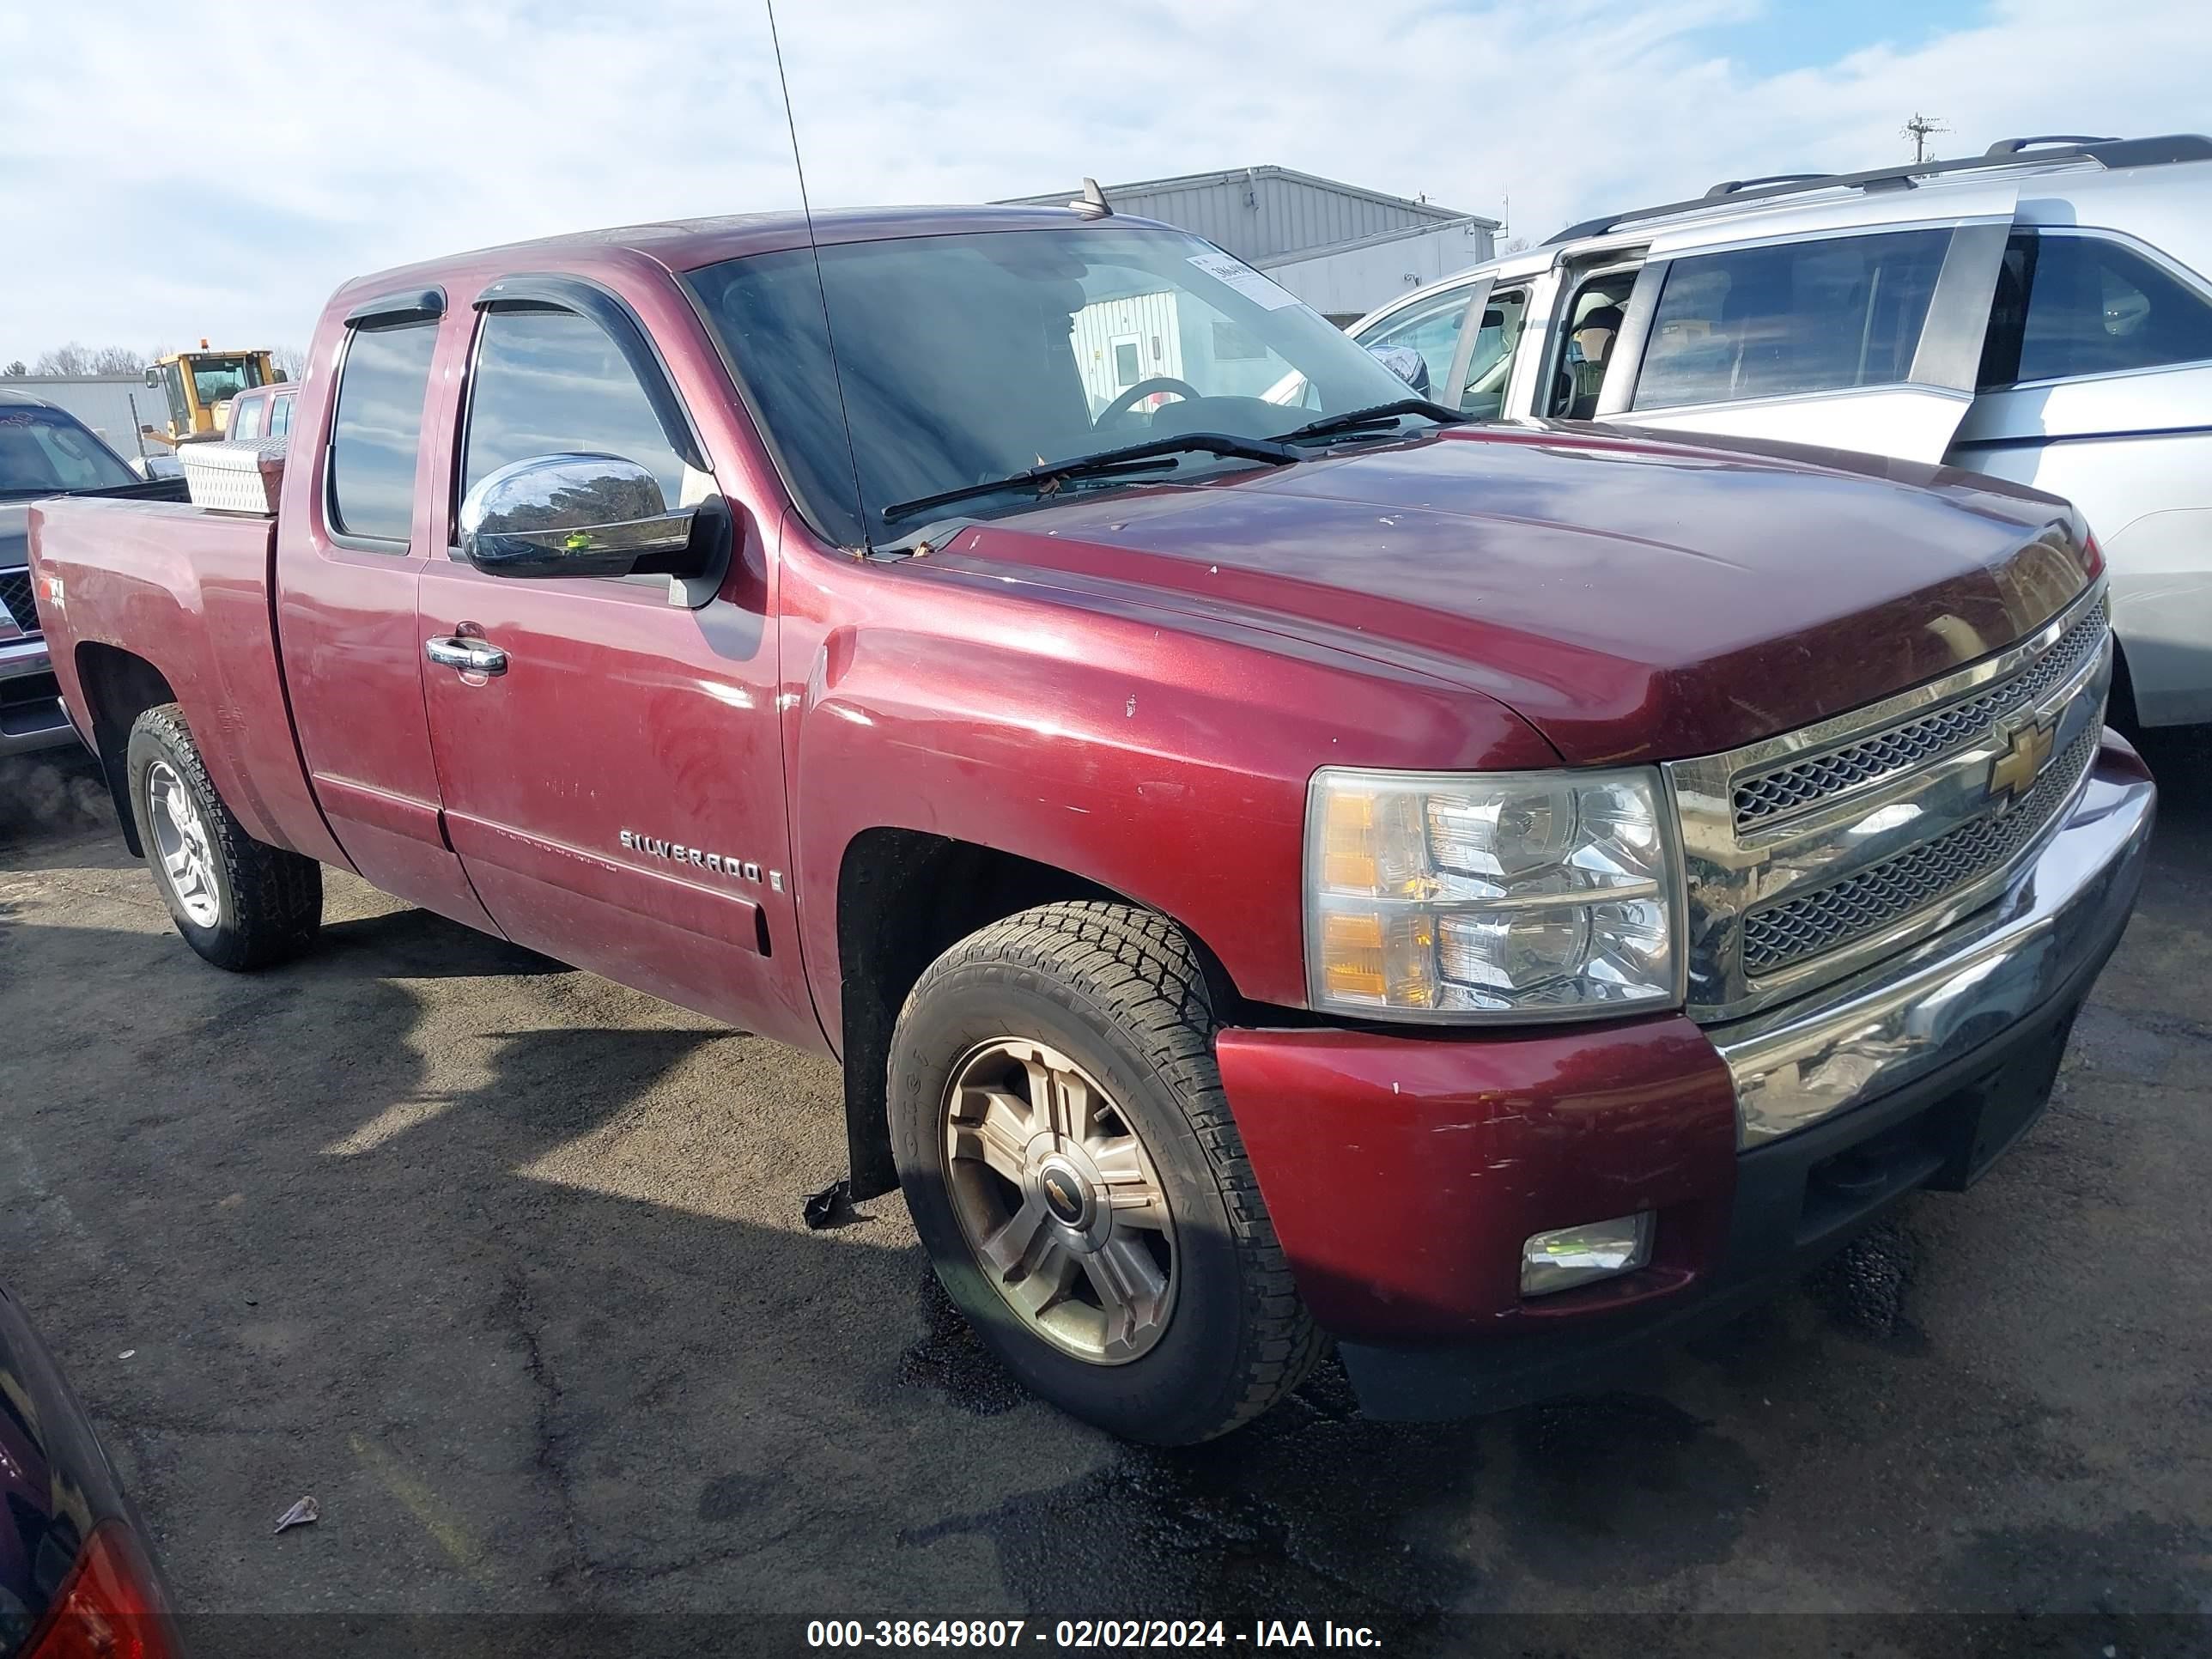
199	387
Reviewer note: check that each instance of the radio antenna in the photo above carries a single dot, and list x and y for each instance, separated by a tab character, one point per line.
821	287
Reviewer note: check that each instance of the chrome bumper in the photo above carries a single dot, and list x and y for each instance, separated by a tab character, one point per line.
28	721
1873	1033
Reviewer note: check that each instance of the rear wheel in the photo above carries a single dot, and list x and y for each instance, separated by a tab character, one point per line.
239	902
1074	1170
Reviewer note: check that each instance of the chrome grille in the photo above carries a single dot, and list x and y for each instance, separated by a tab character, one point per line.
1832	917
1899	834
1771	797
16	595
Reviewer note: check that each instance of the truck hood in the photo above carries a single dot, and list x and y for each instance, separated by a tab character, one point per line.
1633	599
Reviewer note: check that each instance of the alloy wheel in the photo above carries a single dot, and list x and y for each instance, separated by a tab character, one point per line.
183	844
1059	1201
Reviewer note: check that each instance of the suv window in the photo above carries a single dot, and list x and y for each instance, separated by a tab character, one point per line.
376	428
1594	324
1800	317
1431	329
551	382
1491	361
2069	305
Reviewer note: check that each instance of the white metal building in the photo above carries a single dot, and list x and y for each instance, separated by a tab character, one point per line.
112	406
1342	249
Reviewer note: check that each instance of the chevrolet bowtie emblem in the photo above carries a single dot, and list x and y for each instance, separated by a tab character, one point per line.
2018	765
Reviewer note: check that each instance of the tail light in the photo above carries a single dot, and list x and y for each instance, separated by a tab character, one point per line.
109	1608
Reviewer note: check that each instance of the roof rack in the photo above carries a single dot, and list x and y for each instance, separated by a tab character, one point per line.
2108	153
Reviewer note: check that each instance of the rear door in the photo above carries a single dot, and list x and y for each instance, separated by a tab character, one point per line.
353	657
1856	324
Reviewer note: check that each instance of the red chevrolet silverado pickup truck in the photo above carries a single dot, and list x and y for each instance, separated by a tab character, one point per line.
1272	872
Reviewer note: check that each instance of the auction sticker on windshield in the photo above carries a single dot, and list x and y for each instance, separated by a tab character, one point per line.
1245	280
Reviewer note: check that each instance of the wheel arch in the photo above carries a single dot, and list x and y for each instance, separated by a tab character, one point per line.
904	896
118	686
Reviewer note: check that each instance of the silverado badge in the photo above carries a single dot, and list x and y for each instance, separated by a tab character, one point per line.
720	864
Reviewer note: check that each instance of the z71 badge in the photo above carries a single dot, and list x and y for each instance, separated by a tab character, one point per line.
720	864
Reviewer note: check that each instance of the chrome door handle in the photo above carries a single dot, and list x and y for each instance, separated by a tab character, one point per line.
469	656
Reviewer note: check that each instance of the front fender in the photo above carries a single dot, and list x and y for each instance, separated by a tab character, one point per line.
1159	755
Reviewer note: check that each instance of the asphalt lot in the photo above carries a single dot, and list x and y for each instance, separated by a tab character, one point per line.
504	1265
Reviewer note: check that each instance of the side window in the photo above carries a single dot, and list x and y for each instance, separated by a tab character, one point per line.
376	428
1491	362
245	417
1431	329
551	382
279	416
2070	305
1799	317
1594	318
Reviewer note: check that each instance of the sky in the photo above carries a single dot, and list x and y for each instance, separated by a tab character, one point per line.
170	171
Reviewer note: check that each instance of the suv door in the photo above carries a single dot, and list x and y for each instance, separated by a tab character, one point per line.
1855	323
613	786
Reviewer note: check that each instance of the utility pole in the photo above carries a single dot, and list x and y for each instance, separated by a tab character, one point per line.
1920	129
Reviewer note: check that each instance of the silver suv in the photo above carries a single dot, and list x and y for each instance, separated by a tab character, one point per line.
2040	311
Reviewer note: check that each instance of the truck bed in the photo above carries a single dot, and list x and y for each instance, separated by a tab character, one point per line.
186	591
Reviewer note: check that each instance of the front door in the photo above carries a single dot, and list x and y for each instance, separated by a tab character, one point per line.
615	788
1855	323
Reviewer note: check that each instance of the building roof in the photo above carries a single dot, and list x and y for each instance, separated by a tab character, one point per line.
1261	213
1241	175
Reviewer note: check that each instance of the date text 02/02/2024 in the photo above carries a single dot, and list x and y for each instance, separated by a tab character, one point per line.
1087	1634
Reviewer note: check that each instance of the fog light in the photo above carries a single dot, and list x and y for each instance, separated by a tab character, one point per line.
1568	1256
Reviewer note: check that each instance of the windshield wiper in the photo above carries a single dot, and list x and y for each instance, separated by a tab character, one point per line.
1129	458
1357	420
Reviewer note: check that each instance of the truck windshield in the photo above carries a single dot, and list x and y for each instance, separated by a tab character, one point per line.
973	357
44	452
215	378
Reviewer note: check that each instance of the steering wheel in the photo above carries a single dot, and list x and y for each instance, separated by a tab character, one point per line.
1118	410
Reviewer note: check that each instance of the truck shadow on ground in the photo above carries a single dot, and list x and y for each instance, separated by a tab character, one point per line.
268	1181
538	1249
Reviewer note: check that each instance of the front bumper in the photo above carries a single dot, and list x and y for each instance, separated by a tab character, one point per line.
1403	1174
31	712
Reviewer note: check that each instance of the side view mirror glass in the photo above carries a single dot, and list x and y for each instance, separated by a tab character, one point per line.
1407	364
576	515
154	378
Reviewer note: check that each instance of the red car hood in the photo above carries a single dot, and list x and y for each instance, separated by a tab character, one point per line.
1632	599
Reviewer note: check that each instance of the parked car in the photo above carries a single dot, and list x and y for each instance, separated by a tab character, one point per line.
77	1576
264	412
44	451
2042	312
1486	895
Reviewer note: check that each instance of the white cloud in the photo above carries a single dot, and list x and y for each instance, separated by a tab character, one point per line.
168	171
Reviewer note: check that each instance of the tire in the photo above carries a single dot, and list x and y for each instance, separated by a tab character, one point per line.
239	902
1115	995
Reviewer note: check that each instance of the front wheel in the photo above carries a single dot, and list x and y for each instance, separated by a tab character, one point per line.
1073	1168
239	902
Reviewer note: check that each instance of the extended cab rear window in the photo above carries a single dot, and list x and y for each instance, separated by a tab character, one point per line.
376	428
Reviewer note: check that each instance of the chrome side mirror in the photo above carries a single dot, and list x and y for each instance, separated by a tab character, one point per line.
577	515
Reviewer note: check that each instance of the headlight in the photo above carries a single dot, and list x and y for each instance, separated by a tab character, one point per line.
1506	896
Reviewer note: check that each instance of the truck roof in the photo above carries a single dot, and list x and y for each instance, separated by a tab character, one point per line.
681	245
